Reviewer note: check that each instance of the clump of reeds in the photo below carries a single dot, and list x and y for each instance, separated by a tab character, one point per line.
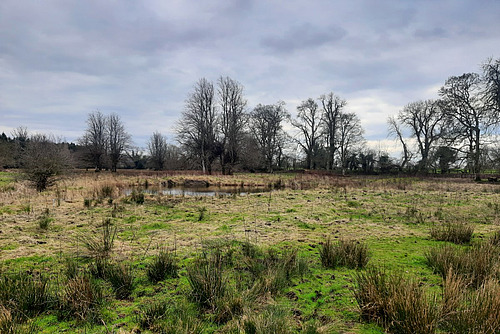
344	253
162	266
397	304
458	233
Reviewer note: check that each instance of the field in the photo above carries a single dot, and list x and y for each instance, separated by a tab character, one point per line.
112	253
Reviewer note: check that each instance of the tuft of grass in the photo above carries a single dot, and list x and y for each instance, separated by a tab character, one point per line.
476	264
44	219
25	295
137	197
87	202
458	233
347	253
273	319
121	277
163	265
399	305
101	245
151	314
495	239
207	280
81	298
470	311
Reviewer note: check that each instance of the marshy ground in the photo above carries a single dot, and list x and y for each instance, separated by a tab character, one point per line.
243	238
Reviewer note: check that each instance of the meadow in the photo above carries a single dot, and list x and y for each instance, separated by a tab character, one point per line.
264	253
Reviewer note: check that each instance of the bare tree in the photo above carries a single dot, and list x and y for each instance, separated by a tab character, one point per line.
197	128
95	139
491	77
308	123
266	124
471	118
118	139
157	147
44	159
395	130
232	121
425	121
332	107
350	135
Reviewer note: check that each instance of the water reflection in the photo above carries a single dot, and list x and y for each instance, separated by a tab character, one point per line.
205	192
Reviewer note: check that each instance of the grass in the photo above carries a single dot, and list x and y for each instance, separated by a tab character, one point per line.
456	232
162	266
269	247
349	253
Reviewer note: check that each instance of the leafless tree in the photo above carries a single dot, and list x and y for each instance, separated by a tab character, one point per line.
308	123
350	135
232	121
95	139
118	139
196	131
157	147
470	117
44	159
425	120
491	77
332	107
395	130
266	125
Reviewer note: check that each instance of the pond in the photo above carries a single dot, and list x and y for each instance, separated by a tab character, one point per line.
205	191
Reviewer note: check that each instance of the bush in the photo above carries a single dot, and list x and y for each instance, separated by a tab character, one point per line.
163	265
457	233
399	305
81	298
349	253
121	277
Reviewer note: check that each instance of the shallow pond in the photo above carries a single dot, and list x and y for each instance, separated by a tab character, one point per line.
206	191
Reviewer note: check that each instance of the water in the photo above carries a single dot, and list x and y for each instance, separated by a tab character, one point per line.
194	192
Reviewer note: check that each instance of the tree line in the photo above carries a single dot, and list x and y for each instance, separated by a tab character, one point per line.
217	131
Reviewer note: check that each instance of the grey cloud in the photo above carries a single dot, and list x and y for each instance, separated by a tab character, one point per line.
303	36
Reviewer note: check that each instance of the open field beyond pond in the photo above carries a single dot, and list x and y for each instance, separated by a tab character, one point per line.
259	253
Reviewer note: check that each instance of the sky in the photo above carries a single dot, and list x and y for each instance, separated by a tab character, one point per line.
62	59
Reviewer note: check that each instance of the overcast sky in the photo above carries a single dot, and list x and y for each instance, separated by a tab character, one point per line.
60	60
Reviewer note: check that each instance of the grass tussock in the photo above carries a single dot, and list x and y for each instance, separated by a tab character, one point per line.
470	310
45	219
25	295
207	280
475	264
81	298
395	303
458	233
495	239
344	253
121	276
163	265
101	245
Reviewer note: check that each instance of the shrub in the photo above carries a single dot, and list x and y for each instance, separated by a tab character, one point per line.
348	253
395	303
81	298
458	233
163	265
121	277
